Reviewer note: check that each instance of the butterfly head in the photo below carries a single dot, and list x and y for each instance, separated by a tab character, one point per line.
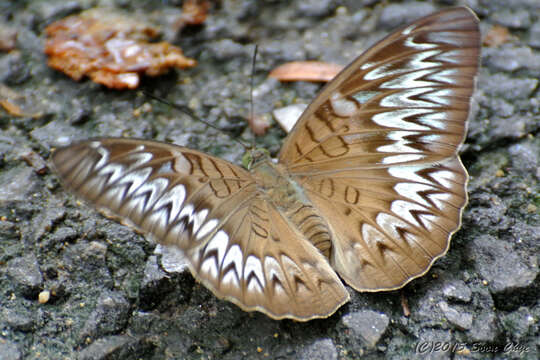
254	156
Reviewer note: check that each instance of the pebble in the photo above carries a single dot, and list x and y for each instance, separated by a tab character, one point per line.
9	350
26	274
394	15
12	70
511	58
226	49
507	87
108	348
460	319
288	115
534	35
484	328
525	156
17	184
315	8
514	127
432	337
457	290
502	267
322	349
369	325
514	19
44	296
520	323
172	259
110	315
154	285
18	319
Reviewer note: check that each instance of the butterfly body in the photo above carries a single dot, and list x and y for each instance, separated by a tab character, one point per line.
368	184
288	196
277	185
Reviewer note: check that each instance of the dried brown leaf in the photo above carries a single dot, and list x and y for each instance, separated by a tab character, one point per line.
110	48
8	38
11	108
16	104
34	160
497	36
259	124
405	305
194	12
306	71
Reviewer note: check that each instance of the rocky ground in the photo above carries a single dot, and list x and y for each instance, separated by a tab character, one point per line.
109	296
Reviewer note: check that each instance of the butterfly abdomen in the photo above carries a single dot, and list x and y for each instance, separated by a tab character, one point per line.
314	228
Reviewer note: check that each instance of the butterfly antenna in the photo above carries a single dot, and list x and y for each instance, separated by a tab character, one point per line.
251	112
191	114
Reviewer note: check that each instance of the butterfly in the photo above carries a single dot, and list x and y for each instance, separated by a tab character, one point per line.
368	186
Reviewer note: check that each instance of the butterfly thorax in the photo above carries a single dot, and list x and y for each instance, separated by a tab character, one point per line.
281	190
279	187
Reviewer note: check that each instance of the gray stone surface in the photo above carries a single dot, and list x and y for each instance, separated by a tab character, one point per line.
520	323
460	319
109	316
534	37
485	328
18	319
25	274
322	349
515	19
369	325
503	267
500	84
9	350
457	290
400	14
510	57
316	7
112	297
18	183
154	284
113	347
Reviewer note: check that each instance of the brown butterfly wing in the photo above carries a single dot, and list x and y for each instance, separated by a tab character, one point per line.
391	224
237	244
377	150
270	267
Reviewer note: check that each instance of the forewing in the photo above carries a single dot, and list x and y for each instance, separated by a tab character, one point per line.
377	150
404	100
235	243
163	190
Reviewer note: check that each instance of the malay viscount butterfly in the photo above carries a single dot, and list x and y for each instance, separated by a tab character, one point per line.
368	186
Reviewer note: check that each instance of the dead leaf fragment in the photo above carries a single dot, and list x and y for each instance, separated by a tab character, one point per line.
405	305
194	12
8	38
496	36
109	47
316	71
11	108
259	124
16	104
34	160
